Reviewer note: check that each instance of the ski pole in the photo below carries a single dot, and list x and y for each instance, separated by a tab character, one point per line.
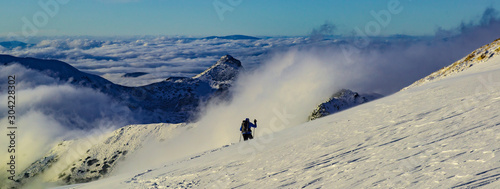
255	129
240	137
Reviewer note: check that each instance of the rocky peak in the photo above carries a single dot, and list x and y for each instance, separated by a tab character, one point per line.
221	73
228	59
339	101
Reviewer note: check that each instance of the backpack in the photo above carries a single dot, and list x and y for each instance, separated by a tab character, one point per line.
245	127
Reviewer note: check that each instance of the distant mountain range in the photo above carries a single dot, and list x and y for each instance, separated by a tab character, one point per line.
173	100
14	44
232	37
134	74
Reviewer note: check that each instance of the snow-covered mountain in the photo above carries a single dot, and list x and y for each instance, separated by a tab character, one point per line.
173	100
339	101
478	56
66	163
442	134
222	73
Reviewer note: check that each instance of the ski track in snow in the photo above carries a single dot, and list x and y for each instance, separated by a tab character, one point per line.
444	134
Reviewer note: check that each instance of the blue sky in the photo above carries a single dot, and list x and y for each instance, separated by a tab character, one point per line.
249	17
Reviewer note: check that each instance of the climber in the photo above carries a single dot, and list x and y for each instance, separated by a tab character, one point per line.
246	130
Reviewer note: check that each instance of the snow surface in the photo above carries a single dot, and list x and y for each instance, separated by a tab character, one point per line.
443	134
90	158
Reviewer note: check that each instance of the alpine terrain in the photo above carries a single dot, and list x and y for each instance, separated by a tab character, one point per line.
442	132
174	100
439	134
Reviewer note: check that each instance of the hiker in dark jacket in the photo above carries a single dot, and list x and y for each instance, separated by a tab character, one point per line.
246	130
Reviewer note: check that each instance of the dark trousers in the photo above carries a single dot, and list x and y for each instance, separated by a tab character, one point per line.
247	136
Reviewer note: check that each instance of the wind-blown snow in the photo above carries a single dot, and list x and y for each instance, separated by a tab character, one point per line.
61	103
442	134
45	116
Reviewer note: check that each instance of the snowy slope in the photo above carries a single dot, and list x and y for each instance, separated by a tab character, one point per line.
341	100
478	56
93	157
444	134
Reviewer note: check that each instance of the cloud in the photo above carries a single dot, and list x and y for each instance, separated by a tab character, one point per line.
326	29
48	111
490	15
162	57
387	64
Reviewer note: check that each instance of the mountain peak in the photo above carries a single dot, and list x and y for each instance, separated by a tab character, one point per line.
228	59
221	73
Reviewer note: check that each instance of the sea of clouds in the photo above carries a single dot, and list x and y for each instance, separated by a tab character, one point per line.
285	76
161	57
397	60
